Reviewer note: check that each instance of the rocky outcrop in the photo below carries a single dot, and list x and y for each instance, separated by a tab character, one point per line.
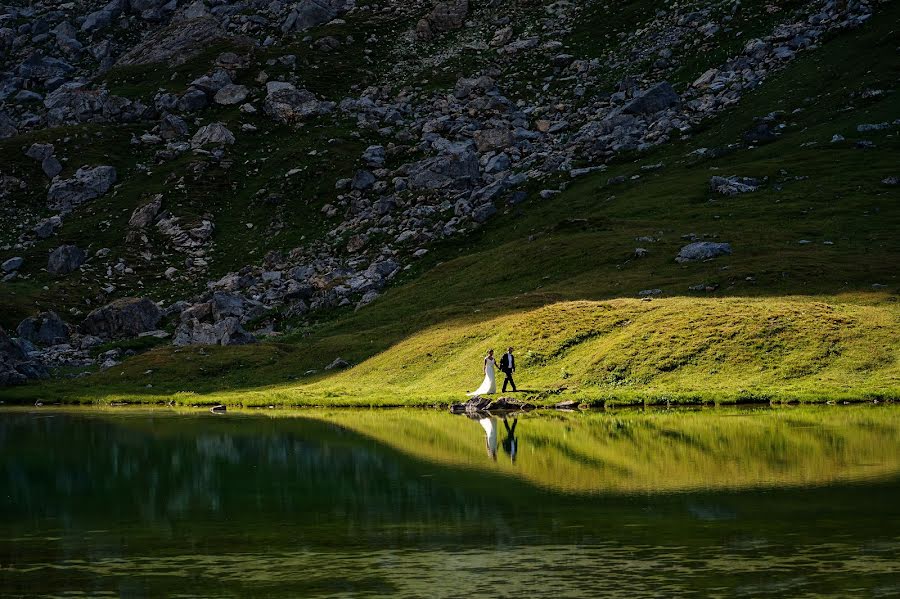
65	259
123	318
227	331
175	44
87	184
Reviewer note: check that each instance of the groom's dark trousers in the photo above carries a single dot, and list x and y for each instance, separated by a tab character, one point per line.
508	379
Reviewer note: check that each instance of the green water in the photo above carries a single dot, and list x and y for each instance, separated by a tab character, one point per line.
801	502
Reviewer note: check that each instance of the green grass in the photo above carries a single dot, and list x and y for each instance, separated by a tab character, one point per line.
787	320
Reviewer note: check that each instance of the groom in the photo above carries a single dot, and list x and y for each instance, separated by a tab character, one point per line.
508	367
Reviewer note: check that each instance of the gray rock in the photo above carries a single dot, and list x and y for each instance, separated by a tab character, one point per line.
181	40
231	94
445	16
47	328
87	184
216	134
192	100
456	169
287	104
123	318
338	363
309	13
51	167
493	139
145	215
227	304
47	227
15	366
659	97
12	264
731	186
7	125
65	259
702	250
225	332
362	180
39	152
374	156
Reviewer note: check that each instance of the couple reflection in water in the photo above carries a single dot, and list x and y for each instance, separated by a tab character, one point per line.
510	444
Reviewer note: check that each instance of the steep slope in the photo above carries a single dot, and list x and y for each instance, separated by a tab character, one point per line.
819	223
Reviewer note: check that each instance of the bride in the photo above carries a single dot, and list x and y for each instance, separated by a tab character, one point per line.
489	384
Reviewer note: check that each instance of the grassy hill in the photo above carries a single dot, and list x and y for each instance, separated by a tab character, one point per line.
805	307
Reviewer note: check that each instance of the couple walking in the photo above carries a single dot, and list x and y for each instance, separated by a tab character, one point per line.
507	367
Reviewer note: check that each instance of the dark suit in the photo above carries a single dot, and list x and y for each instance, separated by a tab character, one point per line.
507	367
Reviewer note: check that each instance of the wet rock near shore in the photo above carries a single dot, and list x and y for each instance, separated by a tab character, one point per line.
485	404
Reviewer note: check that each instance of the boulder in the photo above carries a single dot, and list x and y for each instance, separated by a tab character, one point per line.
702	250
456	169
493	139
65	259
47	328
47	227
15	366
659	97
216	134
123	318
231	94
309	13
445	16
12	264
86	185
225	332
338	363
145	215
287	104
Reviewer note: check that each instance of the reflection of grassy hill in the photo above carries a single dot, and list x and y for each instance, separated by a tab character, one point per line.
823	226
636	453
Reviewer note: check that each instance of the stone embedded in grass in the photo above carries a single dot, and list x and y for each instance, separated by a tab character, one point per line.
702	250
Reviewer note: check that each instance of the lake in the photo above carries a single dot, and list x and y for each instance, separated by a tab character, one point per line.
726	502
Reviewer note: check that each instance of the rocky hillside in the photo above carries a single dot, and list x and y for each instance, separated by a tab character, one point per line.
214	173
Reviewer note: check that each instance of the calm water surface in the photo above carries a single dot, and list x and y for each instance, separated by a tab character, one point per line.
800	502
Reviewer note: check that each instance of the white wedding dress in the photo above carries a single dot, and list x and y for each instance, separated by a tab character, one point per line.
489	384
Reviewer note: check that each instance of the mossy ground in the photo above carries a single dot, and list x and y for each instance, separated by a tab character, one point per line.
793	313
